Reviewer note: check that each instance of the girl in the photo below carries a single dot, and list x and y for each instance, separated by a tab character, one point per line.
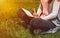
54	16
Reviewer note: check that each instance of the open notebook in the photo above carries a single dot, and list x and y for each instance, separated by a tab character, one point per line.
25	14
29	13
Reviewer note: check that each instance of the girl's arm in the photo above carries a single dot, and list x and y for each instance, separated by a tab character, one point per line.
45	6
54	11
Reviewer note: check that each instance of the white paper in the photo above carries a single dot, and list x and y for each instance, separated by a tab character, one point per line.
27	12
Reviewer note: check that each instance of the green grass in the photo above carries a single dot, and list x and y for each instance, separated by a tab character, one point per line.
9	20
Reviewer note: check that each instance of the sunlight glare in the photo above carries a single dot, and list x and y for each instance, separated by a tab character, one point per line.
2	1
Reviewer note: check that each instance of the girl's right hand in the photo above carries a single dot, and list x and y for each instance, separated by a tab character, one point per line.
35	15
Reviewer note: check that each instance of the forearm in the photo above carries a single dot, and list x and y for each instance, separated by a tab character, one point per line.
54	12
45	6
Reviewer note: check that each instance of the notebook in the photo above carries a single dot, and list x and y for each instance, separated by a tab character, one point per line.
24	14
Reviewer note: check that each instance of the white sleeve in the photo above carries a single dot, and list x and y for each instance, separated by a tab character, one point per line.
54	11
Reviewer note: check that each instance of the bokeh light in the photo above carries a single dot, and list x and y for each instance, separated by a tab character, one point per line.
8	8
2	1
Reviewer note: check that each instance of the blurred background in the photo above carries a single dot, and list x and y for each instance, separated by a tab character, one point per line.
10	26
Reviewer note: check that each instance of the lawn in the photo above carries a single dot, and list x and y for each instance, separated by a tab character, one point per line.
10	23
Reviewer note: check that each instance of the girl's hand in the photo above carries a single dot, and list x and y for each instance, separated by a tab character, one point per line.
45	13
35	15
42	16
